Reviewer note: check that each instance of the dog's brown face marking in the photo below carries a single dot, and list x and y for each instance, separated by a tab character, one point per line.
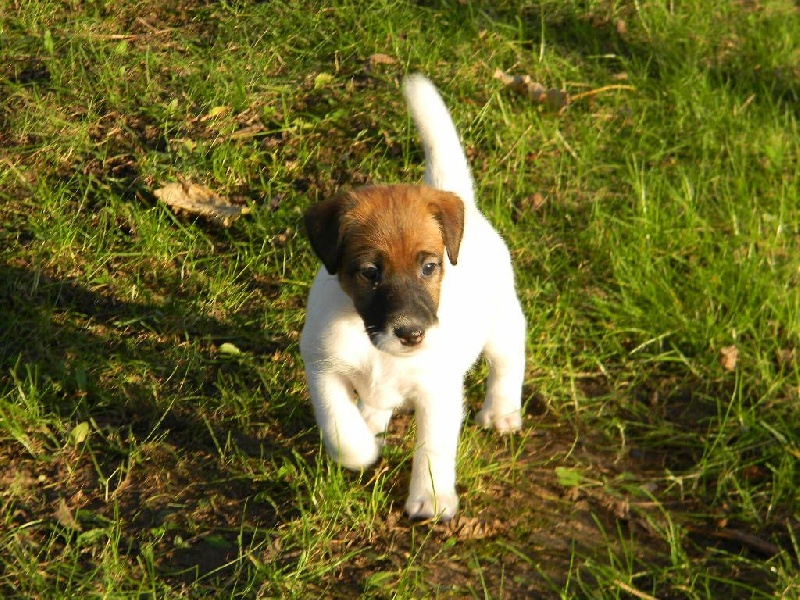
388	245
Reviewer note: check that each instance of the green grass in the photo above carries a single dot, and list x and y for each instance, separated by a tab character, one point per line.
654	226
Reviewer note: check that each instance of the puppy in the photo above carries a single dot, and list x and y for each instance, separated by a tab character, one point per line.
415	285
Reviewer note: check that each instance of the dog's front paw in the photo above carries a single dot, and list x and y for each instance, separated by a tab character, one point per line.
504	423
356	453
440	507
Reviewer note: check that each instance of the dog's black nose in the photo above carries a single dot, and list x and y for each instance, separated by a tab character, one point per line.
410	335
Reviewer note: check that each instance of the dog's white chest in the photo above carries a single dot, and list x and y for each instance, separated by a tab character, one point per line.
387	382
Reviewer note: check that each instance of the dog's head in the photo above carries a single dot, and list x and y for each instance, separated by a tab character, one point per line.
387	245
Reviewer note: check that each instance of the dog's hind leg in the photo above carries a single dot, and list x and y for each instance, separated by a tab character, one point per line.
347	437
505	353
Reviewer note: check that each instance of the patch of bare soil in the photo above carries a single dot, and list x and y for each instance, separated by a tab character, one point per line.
517	537
566	499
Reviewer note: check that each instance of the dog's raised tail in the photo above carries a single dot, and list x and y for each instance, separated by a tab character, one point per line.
446	166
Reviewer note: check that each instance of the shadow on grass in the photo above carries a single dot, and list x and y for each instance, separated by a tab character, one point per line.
181	479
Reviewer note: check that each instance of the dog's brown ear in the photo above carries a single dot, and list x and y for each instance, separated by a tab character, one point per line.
323	223
448	209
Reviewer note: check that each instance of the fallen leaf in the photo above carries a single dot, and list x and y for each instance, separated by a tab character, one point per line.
65	517
568	477
216	111
528	204
80	433
729	355
556	99
787	357
228	348
537	200
622	27
322	80
376	60
752	472
199	200
281	238
475	528
379	58
553	98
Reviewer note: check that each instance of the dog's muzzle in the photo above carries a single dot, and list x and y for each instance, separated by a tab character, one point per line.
398	317
410	336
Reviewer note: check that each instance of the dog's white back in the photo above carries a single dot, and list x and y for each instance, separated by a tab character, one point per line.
478	312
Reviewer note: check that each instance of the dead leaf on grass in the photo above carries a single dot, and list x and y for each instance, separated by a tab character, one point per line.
729	355
195	199
79	433
322	80
65	517
787	357
531	203
553	98
215	112
379	58
475	528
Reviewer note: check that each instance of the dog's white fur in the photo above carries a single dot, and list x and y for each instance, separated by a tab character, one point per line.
478	312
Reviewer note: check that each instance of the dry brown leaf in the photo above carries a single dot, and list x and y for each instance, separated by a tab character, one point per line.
553	98
199	200
65	517
475	528
528	204
729	355
379	58
556	99
787	357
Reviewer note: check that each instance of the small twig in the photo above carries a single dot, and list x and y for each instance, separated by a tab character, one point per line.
747	539
605	88
572	152
515	144
633	591
13	168
133	36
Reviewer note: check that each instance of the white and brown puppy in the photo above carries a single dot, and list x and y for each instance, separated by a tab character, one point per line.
415	285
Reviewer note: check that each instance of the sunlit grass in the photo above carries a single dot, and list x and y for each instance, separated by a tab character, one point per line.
154	424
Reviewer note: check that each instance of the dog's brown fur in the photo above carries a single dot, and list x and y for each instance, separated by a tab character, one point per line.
387	244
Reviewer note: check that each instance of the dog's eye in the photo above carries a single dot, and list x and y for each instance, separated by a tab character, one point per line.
429	268
370	272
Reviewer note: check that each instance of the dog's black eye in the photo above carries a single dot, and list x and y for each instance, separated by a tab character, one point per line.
371	273
429	268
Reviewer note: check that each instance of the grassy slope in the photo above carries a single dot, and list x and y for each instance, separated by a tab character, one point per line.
653	230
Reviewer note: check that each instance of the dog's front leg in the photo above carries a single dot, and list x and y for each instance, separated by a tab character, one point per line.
377	419
433	473
346	435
